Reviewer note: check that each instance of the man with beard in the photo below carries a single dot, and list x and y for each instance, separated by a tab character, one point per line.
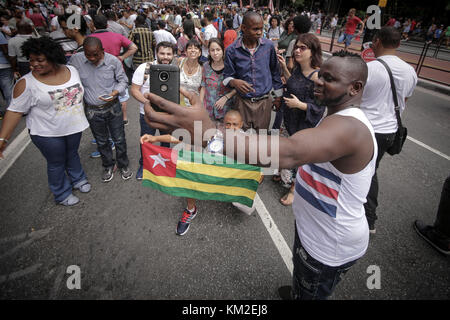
141	85
336	162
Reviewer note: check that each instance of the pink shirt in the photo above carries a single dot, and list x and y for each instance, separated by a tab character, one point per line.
112	42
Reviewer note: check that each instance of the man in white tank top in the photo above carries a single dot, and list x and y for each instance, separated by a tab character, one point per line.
336	163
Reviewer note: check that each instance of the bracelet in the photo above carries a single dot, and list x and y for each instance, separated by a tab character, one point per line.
4	139
226	97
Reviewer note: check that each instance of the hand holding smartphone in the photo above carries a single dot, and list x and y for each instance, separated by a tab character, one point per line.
106	97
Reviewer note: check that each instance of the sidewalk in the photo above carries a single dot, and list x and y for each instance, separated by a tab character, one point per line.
440	77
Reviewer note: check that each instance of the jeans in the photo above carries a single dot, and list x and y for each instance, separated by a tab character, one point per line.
104	123
6	85
64	168
384	142
146	129
278	119
313	280
347	38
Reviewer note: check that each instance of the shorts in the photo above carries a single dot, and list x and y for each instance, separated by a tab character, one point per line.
125	97
345	37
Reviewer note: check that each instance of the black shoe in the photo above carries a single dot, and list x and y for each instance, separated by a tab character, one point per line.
108	174
285	292
429	233
126	173
372	229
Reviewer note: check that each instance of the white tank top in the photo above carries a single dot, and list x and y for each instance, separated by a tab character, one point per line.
192	82
328	207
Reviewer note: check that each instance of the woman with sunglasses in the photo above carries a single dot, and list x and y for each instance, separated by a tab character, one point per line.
299	110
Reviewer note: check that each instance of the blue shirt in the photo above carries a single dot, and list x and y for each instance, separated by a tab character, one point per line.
98	80
261	69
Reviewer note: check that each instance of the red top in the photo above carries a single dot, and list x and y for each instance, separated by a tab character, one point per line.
38	19
229	37
391	22
351	24
112	42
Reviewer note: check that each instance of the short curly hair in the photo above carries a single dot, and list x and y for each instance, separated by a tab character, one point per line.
52	51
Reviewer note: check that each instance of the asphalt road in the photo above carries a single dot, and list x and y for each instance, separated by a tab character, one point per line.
122	235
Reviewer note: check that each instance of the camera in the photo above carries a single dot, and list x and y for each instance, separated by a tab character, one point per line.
165	82
163	76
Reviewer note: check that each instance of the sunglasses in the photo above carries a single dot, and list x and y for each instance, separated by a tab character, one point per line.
301	48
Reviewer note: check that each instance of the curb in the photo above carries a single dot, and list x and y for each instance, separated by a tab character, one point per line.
430	85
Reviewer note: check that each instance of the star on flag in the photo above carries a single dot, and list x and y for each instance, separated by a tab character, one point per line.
159	160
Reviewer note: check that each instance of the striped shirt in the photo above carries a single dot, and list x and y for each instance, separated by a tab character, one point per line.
328	207
143	38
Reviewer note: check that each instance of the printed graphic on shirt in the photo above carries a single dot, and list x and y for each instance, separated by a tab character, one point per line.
65	99
319	187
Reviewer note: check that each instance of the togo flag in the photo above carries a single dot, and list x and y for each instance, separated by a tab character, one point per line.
203	176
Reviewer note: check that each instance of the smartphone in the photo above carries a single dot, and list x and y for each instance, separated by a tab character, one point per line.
106	96
165	82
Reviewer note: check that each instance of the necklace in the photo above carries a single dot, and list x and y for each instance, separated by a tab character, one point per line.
190	70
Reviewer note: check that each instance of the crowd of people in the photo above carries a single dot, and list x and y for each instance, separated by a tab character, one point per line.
336	118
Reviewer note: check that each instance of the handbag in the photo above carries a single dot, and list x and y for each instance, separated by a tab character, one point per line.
402	132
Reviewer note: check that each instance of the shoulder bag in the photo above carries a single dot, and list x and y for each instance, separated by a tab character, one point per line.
402	132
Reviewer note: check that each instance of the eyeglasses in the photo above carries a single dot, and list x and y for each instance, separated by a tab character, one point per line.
301	48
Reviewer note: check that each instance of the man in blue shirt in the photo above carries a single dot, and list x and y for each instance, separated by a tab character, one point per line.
251	67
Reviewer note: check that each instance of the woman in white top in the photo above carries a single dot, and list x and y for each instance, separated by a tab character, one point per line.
275	29
191	68
52	97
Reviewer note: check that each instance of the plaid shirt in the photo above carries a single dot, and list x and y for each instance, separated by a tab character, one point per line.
143	38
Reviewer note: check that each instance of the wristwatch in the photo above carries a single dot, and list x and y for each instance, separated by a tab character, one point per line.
215	144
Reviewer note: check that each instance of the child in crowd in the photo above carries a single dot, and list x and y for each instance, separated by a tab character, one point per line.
232	120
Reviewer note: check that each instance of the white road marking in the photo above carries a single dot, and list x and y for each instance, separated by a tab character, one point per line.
57	284
443	155
21	236
20	273
35	235
14	151
275	233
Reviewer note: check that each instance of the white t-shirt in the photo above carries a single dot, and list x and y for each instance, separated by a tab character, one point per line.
377	101
164	35
15	44
53	111
55	23
210	32
178	20
138	79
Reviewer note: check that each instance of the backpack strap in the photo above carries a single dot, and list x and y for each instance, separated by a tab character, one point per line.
147	71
